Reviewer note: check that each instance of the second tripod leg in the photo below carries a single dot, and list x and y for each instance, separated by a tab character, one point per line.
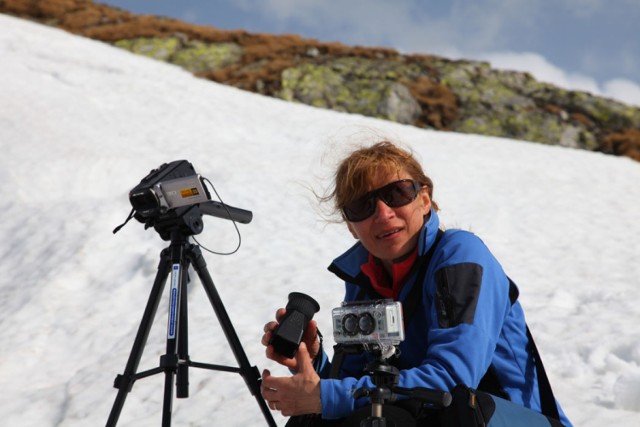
250	374
182	380
170	361
124	382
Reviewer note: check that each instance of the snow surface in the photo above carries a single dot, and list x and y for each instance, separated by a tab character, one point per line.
81	123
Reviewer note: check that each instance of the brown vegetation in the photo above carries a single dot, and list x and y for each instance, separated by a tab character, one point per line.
437	101
625	143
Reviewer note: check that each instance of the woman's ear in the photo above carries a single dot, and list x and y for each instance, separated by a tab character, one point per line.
426	200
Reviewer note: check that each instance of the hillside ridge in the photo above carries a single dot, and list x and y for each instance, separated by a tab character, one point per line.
421	90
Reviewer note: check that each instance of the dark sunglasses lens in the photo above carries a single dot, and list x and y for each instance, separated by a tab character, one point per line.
394	195
360	209
399	193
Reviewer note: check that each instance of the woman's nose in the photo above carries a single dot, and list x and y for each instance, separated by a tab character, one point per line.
382	210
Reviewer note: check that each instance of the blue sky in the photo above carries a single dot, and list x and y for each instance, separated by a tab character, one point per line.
590	45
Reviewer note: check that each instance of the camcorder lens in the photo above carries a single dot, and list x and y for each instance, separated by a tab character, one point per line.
366	324
350	324
145	202
363	324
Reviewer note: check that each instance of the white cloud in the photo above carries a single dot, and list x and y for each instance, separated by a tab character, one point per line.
190	14
624	90
541	69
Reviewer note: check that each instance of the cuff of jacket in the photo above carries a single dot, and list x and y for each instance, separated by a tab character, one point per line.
336	397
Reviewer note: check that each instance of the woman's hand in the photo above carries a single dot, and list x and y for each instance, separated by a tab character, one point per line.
295	395
309	337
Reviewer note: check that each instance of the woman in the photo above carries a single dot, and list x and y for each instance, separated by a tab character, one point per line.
466	330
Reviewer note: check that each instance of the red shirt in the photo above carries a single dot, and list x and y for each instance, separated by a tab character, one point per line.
386	286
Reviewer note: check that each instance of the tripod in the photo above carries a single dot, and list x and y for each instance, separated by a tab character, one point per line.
385	378
175	260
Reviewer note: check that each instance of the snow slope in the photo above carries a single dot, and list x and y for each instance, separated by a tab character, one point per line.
82	122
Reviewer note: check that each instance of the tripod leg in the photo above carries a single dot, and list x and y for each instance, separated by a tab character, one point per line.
124	382
250	374
170	362
182	380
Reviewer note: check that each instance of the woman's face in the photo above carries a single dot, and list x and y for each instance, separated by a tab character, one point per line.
391	233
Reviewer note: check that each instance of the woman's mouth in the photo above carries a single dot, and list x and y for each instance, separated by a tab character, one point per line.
389	233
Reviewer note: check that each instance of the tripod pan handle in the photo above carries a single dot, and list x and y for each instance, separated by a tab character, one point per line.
435	397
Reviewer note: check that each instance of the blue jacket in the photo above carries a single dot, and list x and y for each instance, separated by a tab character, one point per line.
465	323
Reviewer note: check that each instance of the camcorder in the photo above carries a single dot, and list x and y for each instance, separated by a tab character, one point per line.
368	323
174	197
170	186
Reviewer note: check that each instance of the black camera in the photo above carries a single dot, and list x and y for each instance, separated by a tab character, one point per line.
170	186
174	197
300	310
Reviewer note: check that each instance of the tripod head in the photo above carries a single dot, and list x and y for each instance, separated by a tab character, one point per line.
188	220
385	377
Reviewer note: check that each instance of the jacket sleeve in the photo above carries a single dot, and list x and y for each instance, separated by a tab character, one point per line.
465	302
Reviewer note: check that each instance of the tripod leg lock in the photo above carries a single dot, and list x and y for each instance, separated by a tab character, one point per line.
169	361
122	382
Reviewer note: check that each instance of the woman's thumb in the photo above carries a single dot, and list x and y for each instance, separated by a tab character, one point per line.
303	358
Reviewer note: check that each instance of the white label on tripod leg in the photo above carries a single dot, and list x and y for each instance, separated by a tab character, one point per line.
173	301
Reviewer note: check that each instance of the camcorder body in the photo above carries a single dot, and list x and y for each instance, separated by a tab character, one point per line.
173	197
375	322
171	186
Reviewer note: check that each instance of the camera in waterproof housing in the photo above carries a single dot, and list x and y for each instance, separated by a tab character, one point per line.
170	186
375	322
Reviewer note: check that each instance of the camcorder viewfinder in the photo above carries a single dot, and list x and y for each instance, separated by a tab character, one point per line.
375	322
287	337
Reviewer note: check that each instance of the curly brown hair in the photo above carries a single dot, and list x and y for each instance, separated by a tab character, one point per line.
355	174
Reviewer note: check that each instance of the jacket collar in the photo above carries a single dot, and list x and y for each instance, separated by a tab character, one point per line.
347	266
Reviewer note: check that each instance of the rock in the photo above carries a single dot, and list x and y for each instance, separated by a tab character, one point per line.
354	85
399	105
153	47
199	57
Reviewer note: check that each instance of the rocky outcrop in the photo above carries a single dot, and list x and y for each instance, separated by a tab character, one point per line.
421	90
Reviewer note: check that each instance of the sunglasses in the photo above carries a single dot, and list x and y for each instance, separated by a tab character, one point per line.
394	195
